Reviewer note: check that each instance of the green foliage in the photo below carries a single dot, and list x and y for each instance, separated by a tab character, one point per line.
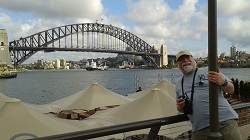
234	65
201	65
170	66
236	87
242	89
138	63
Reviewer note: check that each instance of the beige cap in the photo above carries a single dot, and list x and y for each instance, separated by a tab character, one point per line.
183	52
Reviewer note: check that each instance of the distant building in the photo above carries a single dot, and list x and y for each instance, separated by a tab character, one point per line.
57	64
233	51
41	62
155	49
4	48
222	55
63	63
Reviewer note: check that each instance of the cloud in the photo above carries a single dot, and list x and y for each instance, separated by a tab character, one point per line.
233	8
235	30
55	8
155	21
46	14
147	12
165	25
234	23
185	12
167	22
4	18
177	27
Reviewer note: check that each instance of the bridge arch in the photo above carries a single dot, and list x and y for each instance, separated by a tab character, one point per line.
22	49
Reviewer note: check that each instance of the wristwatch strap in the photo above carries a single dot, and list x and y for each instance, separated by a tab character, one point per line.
225	83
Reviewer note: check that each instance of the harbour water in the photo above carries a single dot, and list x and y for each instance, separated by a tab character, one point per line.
40	87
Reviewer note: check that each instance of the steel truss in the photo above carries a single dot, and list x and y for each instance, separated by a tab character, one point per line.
22	49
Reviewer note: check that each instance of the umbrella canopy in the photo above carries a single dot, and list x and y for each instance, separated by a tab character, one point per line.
155	104
164	85
18	121
93	97
3	99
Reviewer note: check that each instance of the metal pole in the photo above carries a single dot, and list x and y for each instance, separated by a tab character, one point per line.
214	133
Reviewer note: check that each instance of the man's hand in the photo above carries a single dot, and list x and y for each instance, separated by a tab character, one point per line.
216	77
180	104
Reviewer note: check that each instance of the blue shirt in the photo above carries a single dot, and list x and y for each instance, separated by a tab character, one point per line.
200	116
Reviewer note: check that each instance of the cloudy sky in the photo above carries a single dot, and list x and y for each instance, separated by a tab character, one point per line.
180	24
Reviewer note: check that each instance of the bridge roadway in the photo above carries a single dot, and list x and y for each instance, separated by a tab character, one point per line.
94	35
48	49
171	58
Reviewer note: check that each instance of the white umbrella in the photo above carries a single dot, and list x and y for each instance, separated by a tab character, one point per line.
93	97
18	121
164	85
155	104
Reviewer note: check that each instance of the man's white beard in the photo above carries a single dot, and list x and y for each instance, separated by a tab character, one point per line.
188	68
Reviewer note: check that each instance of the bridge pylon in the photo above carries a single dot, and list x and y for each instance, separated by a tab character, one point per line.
164	56
161	60
4	48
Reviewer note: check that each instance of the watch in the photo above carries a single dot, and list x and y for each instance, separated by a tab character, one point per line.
225	83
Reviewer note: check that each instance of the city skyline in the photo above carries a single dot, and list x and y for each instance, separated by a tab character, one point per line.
233	53
178	24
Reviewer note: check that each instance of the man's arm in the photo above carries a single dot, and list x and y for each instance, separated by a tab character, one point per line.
229	88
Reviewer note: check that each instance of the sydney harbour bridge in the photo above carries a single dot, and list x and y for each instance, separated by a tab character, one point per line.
87	37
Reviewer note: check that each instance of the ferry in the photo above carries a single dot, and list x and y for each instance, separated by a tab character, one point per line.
93	66
7	75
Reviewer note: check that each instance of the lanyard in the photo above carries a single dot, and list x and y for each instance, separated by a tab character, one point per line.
192	91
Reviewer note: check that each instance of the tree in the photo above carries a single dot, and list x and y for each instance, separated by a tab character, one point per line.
236	88
247	84
242	91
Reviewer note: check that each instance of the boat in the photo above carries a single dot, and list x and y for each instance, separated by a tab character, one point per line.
100	67
126	65
7	75
92	66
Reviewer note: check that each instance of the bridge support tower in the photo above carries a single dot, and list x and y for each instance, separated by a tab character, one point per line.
164	56
4	48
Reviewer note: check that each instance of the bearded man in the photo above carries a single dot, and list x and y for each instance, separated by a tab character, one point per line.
192	92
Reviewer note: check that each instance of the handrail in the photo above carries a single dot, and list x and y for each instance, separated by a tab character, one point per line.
110	130
154	124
